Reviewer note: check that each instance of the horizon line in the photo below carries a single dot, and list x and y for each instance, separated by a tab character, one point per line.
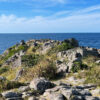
52	33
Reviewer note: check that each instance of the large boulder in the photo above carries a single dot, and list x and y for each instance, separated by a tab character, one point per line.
40	84
61	67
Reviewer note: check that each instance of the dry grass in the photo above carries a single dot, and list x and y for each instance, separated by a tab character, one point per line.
44	68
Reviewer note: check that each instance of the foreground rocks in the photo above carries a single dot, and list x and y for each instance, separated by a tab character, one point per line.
42	89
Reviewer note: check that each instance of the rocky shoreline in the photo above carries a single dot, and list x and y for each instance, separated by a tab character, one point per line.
50	70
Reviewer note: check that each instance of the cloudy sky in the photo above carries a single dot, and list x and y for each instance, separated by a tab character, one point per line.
48	16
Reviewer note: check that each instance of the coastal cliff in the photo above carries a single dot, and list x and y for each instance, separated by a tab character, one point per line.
50	70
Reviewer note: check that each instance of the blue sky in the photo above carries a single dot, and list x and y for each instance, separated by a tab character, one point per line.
49	16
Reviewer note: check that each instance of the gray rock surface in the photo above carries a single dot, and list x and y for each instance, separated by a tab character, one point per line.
40	84
10	95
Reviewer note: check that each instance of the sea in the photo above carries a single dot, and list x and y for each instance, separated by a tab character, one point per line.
85	39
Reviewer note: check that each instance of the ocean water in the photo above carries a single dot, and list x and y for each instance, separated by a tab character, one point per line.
85	39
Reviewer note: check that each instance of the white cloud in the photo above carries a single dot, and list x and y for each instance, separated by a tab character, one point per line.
73	22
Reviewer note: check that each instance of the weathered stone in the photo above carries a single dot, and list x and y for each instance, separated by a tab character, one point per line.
40	84
85	93
19	74
26	94
10	94
76	54
32	98
91	98
98	61
24	88
76	97
96	91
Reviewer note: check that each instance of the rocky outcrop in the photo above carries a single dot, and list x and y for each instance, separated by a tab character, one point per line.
47	46
15	60
76	54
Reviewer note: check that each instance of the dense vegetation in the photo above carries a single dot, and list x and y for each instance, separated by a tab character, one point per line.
78	66
30	60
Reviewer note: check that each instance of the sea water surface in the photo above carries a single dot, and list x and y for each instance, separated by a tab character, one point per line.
85	39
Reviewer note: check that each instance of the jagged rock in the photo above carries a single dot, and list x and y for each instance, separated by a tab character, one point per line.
88	86
54	96
26	94
10	95
32	98
40	84
68	93
75	97
58	97
76	54
62	68
23	88
91	98
98	62
95	91
85	93
46	46
19	74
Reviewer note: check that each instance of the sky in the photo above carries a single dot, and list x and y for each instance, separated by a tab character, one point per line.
49	16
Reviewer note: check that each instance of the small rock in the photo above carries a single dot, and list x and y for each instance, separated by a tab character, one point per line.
40	84
24	88
91	98
32	98
97	62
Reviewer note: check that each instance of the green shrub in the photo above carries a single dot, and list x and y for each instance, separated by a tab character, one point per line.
58	48
13	50
64	46
78	66
30	60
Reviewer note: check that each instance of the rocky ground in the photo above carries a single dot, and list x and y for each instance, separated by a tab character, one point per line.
50	70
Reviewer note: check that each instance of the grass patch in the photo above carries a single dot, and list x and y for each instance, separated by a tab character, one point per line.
45	68
7	85
93	75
